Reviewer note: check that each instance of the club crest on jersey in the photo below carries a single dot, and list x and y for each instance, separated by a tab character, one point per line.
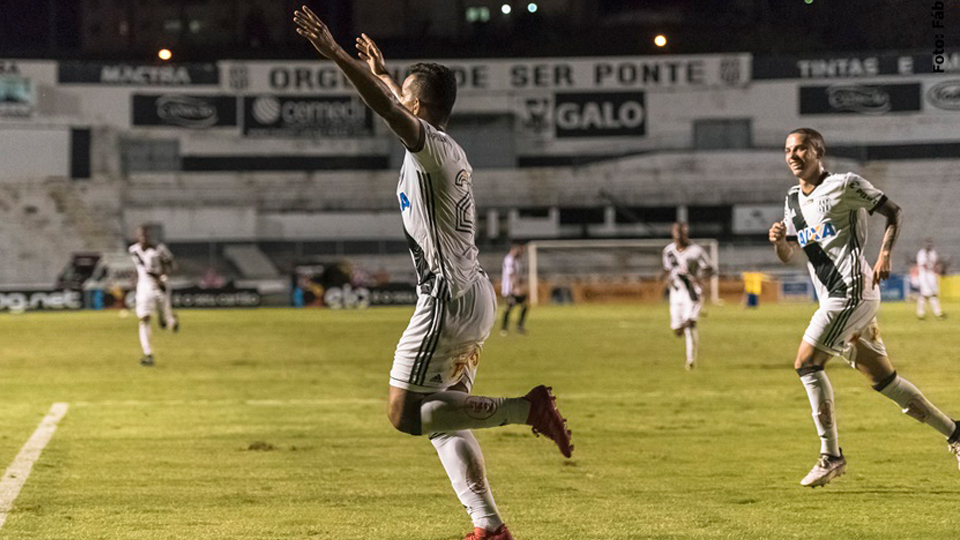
823	205
404	201
816	234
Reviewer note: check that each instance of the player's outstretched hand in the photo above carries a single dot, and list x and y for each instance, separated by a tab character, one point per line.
881	270
778	232
311	27
368	51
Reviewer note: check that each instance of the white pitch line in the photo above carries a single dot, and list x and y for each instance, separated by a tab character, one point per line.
18	471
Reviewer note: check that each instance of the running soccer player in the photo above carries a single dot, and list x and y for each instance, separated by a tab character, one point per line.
435	363
927	273
510	289
685	264
154	263
825	216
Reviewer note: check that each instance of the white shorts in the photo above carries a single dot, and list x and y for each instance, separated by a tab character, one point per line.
928	284
683	309
441	345
840	324
149	301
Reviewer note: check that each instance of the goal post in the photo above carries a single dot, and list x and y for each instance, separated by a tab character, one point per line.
640	258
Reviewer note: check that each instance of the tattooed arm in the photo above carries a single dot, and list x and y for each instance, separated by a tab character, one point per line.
894	216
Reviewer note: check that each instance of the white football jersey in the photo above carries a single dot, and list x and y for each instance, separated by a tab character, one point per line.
511	270
149	263
437	206
830	224
927	261
685	267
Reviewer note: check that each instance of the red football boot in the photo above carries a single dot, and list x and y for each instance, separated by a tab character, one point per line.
482	534
545	418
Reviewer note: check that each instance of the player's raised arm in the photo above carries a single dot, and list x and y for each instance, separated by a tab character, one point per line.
374	92
894	216
368	51
778	237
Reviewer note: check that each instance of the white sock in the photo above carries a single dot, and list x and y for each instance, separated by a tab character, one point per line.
168	310
453	411
692	338
820	393
935	304
145	338
921	311
460	454
915	405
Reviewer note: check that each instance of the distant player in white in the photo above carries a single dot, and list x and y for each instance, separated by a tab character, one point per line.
928	264
825	216
154	263
511	289
685	264
435	363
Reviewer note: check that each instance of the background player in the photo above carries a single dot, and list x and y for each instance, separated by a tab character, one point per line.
435	363
511	290
684	265
154	263
928	271
825	215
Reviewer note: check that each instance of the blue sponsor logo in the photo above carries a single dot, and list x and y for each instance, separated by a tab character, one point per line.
816	234
404	201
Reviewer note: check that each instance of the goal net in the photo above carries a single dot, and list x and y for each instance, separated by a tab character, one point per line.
555	267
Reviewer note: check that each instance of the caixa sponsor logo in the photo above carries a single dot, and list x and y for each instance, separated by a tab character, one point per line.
945	95
858	98
40	300
816	234
186	111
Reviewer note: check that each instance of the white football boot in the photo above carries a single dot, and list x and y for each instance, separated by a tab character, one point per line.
827	468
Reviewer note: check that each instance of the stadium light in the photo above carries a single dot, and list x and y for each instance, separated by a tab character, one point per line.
660	40
165	54
532	7
506	9
808	2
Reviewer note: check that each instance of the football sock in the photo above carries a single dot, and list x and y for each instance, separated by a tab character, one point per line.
506	316
935	304
463	460
523	317
692	338
921	309
452	411
914	404
145	338
820	393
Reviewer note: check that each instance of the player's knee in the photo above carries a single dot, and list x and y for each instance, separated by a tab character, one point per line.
678	332
145	319
404	416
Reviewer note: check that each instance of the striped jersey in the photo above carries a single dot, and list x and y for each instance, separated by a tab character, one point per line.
927	262
150	263
685	267
830	224
511	274
437	206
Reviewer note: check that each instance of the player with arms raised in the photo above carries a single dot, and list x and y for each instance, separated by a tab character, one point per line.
825	216
154	263
685	264
435	363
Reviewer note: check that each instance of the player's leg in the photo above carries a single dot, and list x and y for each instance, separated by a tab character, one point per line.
873	362
690	332
921	308
935	305
144	309
172	321
524	305
507	308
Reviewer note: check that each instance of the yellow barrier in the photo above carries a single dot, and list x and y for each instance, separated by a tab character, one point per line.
950	287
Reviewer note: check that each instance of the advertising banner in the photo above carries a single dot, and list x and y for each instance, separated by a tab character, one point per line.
122	74
600	114
853	98
306	116
854	66
40	300
194	111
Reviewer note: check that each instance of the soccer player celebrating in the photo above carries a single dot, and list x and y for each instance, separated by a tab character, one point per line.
435	363
154	263
825	215
510	289
927	272
684	265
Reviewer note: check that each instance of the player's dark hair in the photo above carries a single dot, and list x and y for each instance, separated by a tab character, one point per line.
814	138
436	86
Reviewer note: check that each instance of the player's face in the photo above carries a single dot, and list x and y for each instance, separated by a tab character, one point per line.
801	156
142	236
681	233
407	97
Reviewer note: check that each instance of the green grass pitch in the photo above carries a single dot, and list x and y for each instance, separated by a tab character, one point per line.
270	424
